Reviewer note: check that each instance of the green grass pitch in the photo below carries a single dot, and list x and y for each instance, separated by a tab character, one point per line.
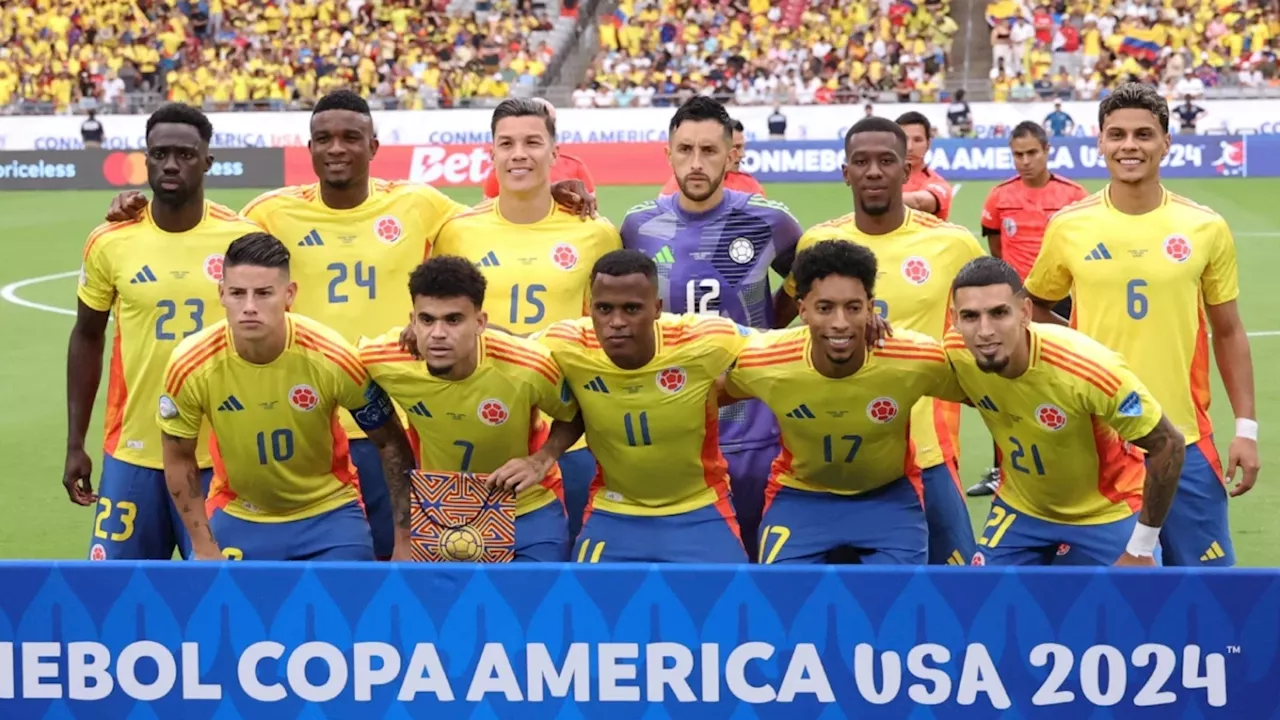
42	233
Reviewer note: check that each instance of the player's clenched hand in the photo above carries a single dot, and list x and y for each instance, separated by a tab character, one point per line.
1242	454
76	478
574	197
207	553
126	206
1127	560
877	330
409	343
518	474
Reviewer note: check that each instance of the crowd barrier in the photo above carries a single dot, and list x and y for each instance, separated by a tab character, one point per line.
1190	156
210	641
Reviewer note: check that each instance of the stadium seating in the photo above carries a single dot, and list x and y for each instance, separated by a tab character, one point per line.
762	52
1202	48
63	55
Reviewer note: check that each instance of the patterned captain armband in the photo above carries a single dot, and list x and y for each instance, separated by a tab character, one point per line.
377	411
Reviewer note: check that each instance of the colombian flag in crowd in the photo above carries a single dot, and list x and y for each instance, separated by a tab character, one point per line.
1141	43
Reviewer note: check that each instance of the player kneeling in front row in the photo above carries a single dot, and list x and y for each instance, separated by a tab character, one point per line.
846	486
1061	407
645	383
473	405
270	383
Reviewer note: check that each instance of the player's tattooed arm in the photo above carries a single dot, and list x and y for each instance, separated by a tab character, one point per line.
397	460
84	373
182	476
1166	449
519	474
1235	364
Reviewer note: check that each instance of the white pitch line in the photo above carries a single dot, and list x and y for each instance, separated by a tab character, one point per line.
10	293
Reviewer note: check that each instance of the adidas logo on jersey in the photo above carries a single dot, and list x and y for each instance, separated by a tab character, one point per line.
802	413
986	403
231	404
1214	552
144	276
489	260
597	385
420	409
312	239
664	256
1099	253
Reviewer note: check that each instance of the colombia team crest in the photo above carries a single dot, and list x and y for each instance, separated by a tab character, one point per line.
213	268
882	410
387	228
1051	417
1177	248
492	412
916	270
564	256
304	398
671	379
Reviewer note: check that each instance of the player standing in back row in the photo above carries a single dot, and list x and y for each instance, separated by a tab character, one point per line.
1152	273
714	248
925	190
918	255
159	275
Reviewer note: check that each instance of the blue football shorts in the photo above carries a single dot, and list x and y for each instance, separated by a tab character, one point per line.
135	518
1014	538
1197	531
706	535
951	539
542	535
340	534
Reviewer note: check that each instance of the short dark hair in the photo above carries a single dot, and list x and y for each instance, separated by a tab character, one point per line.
1030	128
834	257
180	114
985	271
259	249
522	107
448	276
915	117
876	124
737	126
1135	96
699	108
342	100
620	263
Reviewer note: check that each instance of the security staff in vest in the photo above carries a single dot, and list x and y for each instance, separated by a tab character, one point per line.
91	132
777	124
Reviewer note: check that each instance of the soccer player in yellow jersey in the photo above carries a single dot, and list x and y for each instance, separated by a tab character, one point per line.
1068	417
1152	274
536	256
159	276
846	484
473	404
645	384
270	383
918	255
357	239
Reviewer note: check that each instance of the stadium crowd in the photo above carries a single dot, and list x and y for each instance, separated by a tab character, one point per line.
754	52
60	55
1081	50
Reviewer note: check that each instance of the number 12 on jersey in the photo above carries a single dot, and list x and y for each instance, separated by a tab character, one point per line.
699	296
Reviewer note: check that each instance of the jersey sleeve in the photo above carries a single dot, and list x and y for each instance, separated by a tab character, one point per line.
1220	281
991	211
941	191
786	238
356	390
583	173
437	209
182	405
97	289
730	345
944	383
1050	278
259	208
556	398
1130	410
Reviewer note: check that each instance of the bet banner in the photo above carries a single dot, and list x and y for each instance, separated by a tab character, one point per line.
204	641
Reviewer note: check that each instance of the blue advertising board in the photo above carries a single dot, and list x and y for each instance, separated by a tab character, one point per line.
1190	156
201	641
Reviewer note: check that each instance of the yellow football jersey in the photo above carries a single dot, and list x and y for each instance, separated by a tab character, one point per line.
279	452
538	274
1063	427
161	287
479	423
848	435
917	263
654	430
352	266
1141	283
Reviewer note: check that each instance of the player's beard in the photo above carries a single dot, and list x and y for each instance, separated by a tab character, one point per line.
876	208
437	371
994	365
172	198
712	186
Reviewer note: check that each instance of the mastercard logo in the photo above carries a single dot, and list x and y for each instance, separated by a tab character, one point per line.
123	169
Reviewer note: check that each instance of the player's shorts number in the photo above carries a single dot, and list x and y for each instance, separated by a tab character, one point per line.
365	276
1019	455
772	538
128	512
232	553
881	308
467	449
637	427
1001	520
193	308
536	308
1137	302
699	294
845	446
281	446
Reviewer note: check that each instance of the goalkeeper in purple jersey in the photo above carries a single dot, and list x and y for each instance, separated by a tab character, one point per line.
714	248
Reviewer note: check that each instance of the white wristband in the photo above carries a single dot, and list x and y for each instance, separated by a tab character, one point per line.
1142	543
1246	428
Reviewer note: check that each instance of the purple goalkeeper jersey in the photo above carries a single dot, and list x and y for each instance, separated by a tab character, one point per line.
717	263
